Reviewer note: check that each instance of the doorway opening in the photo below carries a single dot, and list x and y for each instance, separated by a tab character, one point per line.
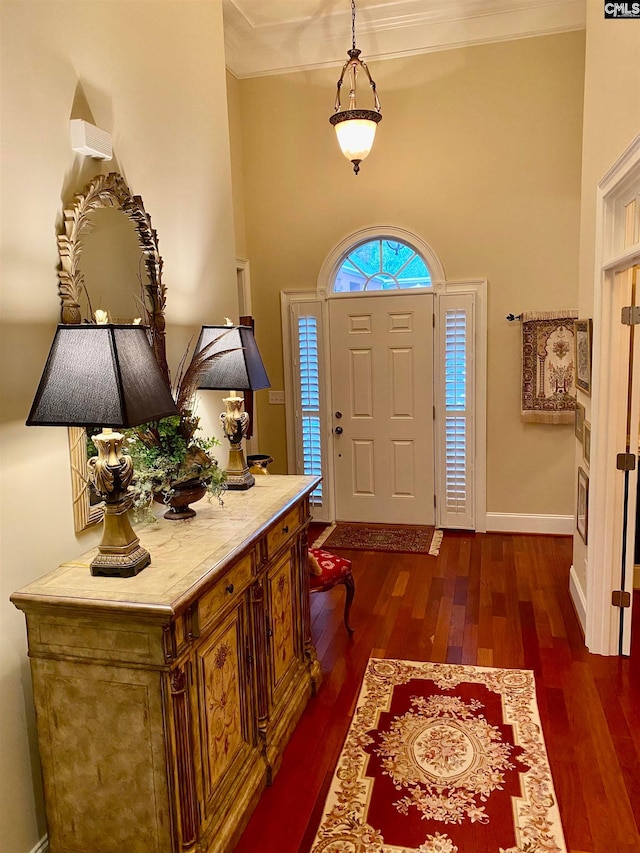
385	364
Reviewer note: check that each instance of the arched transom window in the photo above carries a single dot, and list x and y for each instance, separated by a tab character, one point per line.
381	264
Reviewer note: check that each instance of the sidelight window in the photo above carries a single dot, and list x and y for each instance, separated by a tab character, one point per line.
309	378
455	424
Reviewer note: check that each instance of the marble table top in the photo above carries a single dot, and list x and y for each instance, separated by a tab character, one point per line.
185	555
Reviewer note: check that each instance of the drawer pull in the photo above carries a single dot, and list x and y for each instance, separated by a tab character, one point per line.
285	529
230	589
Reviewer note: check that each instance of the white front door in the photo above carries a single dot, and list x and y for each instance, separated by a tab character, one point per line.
382	408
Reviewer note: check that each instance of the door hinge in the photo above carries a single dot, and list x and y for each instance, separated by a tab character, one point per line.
620	598
434	413
626	462
631	315
435	502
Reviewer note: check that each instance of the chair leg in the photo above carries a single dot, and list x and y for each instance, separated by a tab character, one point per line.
350	589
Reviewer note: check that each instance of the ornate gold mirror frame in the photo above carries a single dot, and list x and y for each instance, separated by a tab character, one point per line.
105	191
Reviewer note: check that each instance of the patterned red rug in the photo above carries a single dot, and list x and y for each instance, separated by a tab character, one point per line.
411	539
442	758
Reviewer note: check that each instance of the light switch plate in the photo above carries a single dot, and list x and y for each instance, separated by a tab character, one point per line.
276	398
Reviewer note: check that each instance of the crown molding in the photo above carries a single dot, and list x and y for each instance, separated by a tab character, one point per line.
260	40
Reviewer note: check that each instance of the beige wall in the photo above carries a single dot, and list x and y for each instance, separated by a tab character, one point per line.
611	123
153	74
478	154
237	163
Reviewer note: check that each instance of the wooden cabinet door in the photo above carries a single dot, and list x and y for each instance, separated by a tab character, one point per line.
229	767
282	624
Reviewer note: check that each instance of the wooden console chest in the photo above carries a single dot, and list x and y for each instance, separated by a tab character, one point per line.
164	701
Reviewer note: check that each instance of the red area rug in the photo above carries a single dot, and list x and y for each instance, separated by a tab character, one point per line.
442	758
408	539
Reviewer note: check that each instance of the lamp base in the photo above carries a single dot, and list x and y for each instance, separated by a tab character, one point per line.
119	553
238	475
239	482
114	565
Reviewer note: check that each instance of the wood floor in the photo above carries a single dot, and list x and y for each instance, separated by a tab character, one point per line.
488	599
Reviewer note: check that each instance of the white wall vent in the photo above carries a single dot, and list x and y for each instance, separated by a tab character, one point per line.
89	140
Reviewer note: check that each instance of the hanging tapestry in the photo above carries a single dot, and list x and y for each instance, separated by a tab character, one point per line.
548	368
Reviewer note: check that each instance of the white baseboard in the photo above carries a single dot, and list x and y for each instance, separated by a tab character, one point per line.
42	846
514	522
578	598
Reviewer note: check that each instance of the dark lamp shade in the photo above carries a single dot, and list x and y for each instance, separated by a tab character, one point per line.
240	370
101	375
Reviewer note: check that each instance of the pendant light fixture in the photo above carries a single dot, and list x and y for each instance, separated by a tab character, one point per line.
355	128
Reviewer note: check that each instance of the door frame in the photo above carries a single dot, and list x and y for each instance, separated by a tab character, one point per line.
608	411
243	282
441	287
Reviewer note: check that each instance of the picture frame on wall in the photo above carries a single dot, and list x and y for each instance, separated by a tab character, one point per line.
582	508
583	337
586	442
579	420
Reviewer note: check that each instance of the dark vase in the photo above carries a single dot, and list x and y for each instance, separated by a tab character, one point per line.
258	463
183	494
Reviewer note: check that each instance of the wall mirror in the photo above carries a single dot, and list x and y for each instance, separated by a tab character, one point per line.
112	266
109	260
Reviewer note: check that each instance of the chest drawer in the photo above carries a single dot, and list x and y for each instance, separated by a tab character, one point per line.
228	589
282	530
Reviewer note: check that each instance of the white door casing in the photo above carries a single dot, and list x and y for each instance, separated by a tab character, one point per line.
316	303
614	253
629	478
243	281
381	357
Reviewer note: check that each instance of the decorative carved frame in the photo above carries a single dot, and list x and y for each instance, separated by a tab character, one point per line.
105	191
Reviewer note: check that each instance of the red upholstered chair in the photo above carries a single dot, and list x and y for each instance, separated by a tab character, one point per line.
326	571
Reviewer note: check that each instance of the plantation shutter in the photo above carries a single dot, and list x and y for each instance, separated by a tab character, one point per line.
454	412
309	441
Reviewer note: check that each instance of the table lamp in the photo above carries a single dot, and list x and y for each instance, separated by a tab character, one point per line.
240	368
105	376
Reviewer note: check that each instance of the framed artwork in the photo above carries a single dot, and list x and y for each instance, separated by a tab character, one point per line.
579	422
582	509
586	442
583	335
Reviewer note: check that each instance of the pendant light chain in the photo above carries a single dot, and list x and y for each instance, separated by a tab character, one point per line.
353	24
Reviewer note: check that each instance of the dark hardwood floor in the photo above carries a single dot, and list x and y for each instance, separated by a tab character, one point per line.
487	599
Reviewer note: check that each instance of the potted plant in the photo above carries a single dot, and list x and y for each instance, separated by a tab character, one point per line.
173	464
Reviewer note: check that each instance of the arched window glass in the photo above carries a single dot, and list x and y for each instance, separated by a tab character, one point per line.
381	264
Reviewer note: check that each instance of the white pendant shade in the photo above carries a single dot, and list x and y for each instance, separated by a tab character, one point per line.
355	137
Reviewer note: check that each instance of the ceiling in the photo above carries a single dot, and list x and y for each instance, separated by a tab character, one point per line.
276	36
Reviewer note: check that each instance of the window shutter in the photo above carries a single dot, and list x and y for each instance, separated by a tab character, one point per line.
455	424
310	400
307	340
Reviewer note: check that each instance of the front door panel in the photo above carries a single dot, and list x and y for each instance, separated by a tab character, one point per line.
382	395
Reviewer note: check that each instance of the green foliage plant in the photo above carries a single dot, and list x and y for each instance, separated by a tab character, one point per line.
163	460
170	452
